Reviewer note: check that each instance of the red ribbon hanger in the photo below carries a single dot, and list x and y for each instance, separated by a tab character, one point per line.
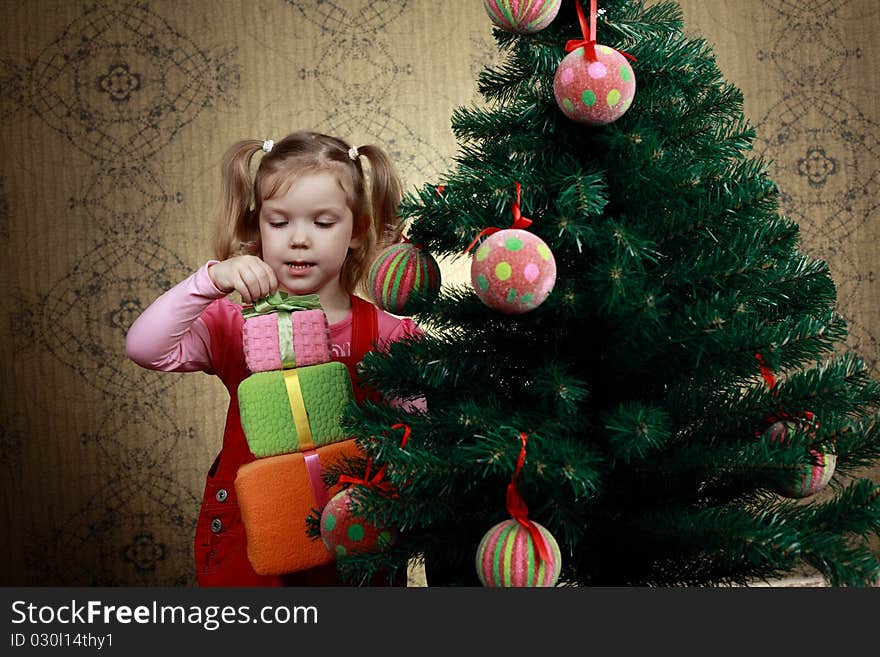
770	380
406	240
766	372
519	221
517	508
377	480
588	43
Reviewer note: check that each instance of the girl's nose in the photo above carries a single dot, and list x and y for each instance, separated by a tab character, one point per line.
299	237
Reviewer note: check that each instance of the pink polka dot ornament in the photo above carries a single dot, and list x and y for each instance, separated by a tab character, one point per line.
594	92
513	271
594	84
344	533
522	16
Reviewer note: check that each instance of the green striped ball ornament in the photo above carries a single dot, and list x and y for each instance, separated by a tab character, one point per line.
507	557
522	16
400	270
809	479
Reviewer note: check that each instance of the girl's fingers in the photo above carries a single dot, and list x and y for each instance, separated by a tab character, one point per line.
248	286
264	275
241	287
253	279
262	278
273	280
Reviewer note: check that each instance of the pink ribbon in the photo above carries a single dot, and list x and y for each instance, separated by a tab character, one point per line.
313	468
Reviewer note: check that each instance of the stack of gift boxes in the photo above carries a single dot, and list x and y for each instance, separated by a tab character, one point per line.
291	406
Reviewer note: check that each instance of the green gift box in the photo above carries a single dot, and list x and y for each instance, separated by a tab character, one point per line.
287	411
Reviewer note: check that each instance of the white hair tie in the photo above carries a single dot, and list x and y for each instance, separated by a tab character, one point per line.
353	153
268	145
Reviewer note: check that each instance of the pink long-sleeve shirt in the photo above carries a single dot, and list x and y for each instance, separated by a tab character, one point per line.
174	334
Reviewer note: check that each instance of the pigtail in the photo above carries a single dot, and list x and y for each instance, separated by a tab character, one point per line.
386	191
380	226
236	230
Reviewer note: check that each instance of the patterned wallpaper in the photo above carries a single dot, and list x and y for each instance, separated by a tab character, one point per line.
113	117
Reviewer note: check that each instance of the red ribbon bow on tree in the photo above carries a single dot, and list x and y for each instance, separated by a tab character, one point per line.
770	380
406	240
519	221
588	43
377	481
517	508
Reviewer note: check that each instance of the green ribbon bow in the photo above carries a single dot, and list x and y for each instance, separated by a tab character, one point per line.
281	301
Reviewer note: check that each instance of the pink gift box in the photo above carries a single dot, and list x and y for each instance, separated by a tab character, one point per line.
306	329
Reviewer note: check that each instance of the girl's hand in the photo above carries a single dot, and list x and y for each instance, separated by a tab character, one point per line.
248	275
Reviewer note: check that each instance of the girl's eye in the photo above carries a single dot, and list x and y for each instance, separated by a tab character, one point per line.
277	224
325	223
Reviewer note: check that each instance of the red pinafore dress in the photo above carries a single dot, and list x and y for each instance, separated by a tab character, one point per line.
220	540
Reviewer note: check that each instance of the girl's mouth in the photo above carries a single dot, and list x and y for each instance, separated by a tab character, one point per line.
299	268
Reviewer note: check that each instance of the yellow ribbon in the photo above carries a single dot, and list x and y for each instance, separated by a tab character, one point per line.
298	410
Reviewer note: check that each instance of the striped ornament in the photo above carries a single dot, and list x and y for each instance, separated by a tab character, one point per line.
506	557
400	270
522	16
809	479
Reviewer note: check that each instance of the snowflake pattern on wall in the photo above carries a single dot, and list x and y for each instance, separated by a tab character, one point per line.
120	82
816	134
110	287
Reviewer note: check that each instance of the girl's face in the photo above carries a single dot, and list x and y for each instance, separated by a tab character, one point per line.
306	233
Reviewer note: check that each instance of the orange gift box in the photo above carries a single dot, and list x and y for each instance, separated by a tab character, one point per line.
276	495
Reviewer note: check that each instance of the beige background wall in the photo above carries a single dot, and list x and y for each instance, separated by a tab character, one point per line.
113	116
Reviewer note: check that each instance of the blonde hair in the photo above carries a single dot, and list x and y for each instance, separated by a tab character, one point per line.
373	207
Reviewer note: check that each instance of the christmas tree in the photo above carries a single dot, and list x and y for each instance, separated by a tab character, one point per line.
669	412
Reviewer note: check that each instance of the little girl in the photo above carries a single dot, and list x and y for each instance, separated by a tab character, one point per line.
305	223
